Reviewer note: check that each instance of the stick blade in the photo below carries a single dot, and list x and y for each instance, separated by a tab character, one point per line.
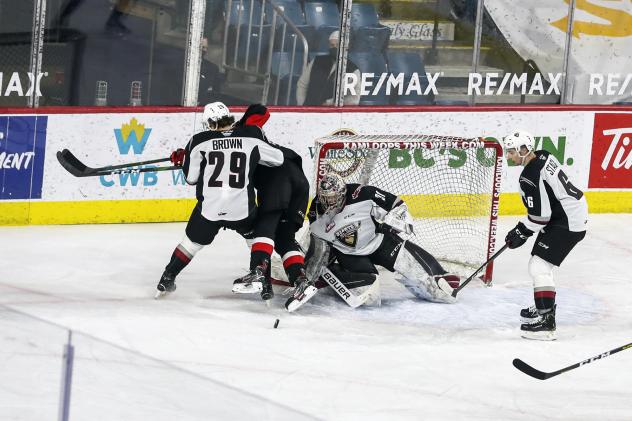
530	371
72	164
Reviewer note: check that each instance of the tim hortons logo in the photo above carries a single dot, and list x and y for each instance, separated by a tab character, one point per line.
611	159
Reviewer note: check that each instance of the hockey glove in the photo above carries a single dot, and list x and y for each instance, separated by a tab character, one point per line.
399	219
177	157
518	236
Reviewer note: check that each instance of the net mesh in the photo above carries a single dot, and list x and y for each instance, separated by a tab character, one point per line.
447	182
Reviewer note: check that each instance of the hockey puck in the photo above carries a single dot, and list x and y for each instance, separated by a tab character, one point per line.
276	323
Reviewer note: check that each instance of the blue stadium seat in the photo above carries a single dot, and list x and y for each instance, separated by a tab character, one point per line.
370	39
409	64
291	9
403	62
288	43
363	15
283	98
281	64
371	62
322	14
240	12
246	53
280	71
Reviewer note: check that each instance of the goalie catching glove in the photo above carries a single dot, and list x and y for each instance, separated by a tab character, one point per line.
518	236
399	219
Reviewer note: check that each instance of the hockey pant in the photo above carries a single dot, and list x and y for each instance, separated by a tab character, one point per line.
201	232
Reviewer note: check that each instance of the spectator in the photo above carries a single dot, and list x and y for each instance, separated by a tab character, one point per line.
316	84
210	78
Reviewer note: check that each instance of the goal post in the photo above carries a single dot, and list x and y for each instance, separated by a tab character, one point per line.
450	184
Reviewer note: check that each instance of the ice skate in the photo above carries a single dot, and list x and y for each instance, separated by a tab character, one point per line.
250	283
543	329
303	292
166	285
529	315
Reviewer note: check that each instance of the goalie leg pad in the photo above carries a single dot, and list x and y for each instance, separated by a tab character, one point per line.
415	279
371	294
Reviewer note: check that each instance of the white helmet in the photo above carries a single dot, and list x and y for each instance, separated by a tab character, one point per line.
517	139
332	191
213	113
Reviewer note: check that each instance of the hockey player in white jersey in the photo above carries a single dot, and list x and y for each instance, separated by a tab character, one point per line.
558	212
361	223
220	162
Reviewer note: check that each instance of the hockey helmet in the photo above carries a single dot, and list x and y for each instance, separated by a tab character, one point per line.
332	190
517	139
216	115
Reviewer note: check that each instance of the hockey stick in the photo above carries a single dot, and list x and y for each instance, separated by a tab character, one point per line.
541	375
467	281
74	166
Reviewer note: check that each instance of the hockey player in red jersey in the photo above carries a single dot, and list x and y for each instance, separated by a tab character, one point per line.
282	195
558	212
220	162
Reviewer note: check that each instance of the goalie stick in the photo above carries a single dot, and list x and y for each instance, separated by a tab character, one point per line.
541	375
443	284
74	166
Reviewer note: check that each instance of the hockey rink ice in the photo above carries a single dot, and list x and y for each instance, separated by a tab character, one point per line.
206	354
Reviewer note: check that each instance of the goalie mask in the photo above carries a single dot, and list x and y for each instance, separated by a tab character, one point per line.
216	115
331	192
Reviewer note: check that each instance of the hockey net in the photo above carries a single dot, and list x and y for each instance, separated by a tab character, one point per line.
450	184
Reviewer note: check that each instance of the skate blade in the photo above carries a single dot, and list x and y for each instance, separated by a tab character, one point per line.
248	289
307	295
539	336
160	294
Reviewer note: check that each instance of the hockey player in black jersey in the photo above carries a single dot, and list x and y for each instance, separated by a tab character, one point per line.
282	195
220	162
361	224
558	212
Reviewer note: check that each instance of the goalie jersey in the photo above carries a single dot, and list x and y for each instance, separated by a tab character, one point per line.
549	196
222	164
355	229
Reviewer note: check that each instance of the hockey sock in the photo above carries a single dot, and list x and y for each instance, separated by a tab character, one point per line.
544	300
182	255
294	265
543	284
261	251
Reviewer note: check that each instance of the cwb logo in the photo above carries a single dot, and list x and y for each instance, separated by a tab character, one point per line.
132	136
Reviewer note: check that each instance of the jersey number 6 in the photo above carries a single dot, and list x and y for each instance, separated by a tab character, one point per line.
571	190
237	177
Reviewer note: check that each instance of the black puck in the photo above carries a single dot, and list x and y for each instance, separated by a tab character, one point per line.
276	323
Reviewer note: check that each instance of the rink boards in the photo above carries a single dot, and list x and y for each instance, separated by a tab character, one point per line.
593	144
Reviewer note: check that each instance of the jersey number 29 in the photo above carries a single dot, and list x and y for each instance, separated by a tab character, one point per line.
237	176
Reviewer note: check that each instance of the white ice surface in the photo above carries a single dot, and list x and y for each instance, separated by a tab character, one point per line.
407	360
